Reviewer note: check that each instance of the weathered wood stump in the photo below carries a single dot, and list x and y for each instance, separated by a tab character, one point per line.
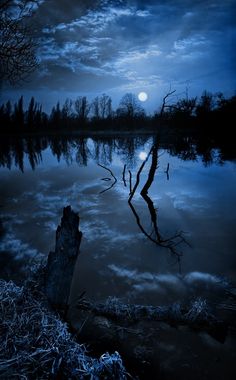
61	262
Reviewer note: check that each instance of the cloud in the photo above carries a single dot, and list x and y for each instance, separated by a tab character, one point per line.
18	249
98	20
118	46
190	43
134	56
109	238
191	283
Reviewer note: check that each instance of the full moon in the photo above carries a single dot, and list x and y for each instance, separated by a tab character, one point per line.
142	156
142	96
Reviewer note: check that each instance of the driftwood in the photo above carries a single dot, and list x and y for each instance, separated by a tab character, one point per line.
196	315
134	330
61	262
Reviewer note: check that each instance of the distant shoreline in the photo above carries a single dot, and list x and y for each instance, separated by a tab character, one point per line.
87	133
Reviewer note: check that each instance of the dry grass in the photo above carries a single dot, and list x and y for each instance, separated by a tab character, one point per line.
36	344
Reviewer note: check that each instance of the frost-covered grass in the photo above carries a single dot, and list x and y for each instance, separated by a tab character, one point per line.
36	344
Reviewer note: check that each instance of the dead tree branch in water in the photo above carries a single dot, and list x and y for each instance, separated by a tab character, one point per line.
130	182
138	176
196	315
172	242
167	171
113	183
155	236
139	223
123	175
152	170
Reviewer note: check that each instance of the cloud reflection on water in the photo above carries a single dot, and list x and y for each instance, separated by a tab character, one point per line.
161	284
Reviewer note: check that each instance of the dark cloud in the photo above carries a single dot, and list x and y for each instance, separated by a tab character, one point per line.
119	46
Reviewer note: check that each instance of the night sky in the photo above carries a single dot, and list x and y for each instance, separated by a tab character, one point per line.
93	47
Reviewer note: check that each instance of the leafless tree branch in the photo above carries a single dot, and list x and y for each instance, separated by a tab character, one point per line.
123	175
17	44
164	101
113	183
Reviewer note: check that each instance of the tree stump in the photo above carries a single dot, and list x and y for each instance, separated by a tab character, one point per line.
61	262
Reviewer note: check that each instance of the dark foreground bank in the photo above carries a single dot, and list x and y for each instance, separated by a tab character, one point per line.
39	338
36	343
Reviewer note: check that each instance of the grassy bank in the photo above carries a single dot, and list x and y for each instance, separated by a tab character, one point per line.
36	344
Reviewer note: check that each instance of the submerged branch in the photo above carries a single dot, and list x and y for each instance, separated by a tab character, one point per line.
138	175
196	315
130	182
139	223
167	171
109	170
172	242
113	183
152	170
123	175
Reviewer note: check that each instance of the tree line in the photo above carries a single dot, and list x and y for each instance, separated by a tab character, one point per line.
99	113
15	152
72	114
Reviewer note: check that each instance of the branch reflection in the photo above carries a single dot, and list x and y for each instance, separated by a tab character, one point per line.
114	179
155	236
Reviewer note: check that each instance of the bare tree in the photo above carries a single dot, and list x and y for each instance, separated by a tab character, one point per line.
164	105
82	108
105	106
206	104
186	106
129	106
17	44
102	107
67	109
95	108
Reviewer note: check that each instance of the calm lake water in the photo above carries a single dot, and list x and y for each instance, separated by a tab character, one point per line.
194	200
172	243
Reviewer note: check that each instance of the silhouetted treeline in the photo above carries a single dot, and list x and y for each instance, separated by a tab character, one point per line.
76	115
16	151
193	114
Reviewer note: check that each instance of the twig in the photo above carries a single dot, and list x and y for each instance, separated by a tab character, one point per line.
167	171
130	182
123	175
104	167
114	182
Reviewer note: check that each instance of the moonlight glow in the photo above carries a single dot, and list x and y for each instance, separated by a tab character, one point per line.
142	96
142	156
